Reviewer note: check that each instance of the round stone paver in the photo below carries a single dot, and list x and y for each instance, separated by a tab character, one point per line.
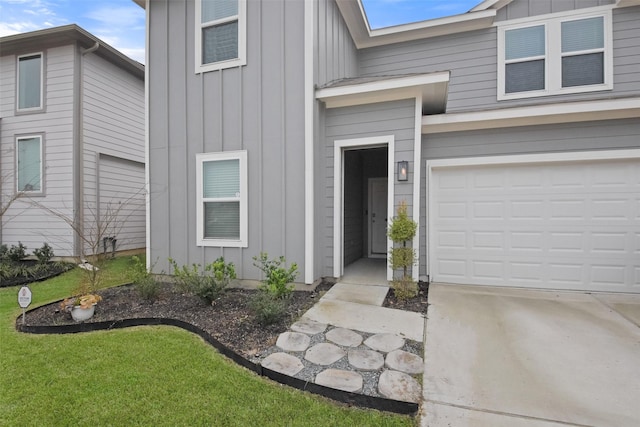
404	361
324	354
308	326
283	363
384	342
366	360
293	341
344	337
399	386
341	380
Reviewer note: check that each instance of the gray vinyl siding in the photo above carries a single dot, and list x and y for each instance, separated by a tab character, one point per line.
121	202
336	56
526	8
258	108
34	225
472	59
583	136
395	118
112	124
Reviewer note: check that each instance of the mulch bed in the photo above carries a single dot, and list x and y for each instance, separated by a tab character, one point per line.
229	319
34	274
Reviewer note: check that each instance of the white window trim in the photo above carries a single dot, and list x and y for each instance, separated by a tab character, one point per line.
41	106
205	157
41	140
242	40
553	53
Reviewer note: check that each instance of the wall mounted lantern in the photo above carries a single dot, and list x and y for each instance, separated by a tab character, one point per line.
403	170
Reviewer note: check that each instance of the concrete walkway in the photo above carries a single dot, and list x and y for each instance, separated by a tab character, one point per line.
512	357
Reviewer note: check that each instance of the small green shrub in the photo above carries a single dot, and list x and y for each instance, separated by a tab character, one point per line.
268	310
17	253
404	288
4	250
146	285
277	278
402	230
44	254
208	284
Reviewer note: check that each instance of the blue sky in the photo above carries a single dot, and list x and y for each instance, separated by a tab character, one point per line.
121	22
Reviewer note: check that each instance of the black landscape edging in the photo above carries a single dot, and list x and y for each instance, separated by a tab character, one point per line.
352	399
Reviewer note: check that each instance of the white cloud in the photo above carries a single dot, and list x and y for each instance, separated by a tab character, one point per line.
7	29
118	17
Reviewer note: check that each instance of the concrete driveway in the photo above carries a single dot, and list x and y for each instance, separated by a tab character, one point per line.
522	358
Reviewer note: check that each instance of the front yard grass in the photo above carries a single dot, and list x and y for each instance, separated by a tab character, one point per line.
143	376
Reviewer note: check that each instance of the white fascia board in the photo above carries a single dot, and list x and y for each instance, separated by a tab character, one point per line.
363	36
534	115
379	91
491	4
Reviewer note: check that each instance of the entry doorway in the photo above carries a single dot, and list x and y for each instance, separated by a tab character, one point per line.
363	195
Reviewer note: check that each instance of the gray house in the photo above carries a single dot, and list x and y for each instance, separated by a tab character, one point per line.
511	131
71	142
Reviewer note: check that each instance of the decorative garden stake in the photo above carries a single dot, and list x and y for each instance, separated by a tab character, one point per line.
24	299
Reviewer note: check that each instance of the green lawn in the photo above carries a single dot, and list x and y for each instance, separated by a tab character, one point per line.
147	376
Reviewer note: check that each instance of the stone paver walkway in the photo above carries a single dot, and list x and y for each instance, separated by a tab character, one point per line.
381	365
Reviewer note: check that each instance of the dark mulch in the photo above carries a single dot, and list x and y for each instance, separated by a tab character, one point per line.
418	304
229	319
31	271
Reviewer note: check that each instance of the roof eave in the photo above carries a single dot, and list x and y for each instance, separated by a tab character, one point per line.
18	43
364	37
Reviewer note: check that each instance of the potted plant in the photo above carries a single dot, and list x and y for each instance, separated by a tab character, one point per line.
81	307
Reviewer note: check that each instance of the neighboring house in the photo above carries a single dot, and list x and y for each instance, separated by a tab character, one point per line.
282	126
72	141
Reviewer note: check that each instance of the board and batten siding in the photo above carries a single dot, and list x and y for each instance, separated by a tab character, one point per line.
336	55
24	222
258	108
113	125
395	118
584	136
472	59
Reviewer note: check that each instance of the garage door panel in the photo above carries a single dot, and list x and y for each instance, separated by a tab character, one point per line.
566	225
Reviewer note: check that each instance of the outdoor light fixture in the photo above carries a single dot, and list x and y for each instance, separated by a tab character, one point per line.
403	170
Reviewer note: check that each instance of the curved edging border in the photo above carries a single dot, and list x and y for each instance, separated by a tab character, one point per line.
352	399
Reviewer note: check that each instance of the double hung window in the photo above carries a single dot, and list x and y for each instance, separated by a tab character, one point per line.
29	82
29	164
222	199
220	34
564	54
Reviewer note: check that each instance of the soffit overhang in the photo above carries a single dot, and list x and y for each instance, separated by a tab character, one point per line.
431	88
363	36
566	112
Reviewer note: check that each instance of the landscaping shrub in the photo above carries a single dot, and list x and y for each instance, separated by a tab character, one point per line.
3	253
44	254
402	230
268	310
146	285
208	284
277	278
17	253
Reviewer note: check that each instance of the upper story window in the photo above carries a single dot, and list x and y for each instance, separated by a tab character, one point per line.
30	82
29	164
220	34
221	183
568	53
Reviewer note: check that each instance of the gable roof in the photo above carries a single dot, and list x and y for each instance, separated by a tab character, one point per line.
17	44
481	16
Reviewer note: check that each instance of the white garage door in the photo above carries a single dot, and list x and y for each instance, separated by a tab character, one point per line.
537	223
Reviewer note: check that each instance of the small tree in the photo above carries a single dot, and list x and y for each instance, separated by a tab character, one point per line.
401	257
